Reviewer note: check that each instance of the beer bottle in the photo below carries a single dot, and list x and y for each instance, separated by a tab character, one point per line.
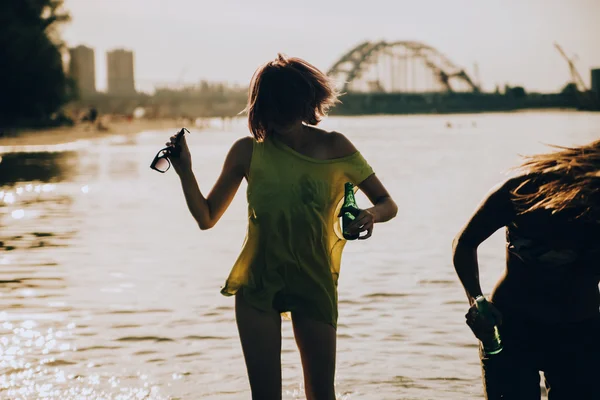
492	344
349	211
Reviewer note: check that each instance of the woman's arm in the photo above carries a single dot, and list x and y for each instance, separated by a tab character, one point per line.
384	208
208	210
494	212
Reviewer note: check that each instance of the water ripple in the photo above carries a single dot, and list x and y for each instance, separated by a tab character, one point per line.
108	291
144	339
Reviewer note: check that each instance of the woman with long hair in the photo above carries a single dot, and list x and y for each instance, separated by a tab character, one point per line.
547	302
290	260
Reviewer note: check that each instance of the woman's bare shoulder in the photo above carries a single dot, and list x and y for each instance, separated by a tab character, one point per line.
337	143
240	153
244	144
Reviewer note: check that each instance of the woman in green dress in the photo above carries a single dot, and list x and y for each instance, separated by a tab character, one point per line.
291	257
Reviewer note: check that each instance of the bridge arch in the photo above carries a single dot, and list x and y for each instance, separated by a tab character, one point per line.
395	67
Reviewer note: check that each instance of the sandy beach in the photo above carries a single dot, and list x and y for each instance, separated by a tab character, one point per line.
62	135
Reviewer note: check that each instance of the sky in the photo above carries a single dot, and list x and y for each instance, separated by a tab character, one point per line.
185	41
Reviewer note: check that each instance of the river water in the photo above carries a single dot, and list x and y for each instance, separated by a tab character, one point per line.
108	290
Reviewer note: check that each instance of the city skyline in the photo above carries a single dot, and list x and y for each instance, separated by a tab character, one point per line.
176	42
119	70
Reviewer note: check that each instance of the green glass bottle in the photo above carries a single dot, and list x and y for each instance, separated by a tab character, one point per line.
492	344
349	211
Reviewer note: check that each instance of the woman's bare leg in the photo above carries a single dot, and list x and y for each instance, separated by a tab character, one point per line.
317	343
260	334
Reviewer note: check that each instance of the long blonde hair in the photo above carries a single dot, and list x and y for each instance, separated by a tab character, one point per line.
565	180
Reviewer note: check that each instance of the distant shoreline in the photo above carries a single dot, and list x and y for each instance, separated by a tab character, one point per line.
83	131
67	135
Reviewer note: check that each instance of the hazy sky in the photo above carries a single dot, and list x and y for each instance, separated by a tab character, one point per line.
188	40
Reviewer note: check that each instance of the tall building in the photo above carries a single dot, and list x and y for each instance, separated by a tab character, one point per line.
119	69
82	68
596	81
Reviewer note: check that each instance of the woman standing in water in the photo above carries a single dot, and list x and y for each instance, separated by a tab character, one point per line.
290	260
547	301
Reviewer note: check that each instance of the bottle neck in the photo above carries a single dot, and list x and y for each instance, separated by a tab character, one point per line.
349	199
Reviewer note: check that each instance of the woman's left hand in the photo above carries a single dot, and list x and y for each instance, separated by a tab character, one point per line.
363	222
481	326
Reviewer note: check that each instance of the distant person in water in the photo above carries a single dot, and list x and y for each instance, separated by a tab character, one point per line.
547	300
290	260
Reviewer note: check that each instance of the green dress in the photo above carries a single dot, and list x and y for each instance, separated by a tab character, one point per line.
290	260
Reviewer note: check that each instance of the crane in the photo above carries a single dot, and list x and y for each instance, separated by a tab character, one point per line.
576	78
586	99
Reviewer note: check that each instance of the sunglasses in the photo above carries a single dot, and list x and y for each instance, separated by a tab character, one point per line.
161	161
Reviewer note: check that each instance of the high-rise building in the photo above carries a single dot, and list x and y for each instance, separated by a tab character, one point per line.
596	81
82	68
119	69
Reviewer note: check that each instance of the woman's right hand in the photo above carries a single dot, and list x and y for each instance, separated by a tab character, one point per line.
482	327
182	162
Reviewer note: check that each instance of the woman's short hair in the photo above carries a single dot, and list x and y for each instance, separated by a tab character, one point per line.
287	90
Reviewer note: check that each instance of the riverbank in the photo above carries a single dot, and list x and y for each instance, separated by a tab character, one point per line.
84	131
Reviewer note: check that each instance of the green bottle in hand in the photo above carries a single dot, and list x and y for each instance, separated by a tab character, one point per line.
349	211
491	344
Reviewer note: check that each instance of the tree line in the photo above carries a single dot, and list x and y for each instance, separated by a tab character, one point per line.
33	83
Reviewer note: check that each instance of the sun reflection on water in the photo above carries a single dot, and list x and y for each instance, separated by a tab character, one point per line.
40	362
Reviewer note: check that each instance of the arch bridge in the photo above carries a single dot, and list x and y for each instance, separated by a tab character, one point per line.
399	67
